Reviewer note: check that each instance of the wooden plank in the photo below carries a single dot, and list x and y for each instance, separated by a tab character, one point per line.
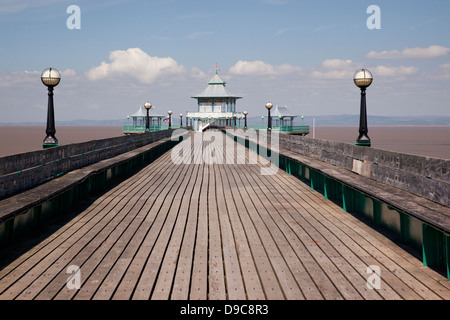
333	275
406	267
66	249
305	256
182	278
158	212
216	231
163	286
252	283
270	236
18	267
169	209
233	275
109	285
356	256
199	285
369	258
216	279
265	271
96	247
260	252
99	265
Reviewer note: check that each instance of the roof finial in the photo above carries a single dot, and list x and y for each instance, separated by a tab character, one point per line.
216	66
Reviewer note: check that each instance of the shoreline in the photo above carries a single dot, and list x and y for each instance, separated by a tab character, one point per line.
425	140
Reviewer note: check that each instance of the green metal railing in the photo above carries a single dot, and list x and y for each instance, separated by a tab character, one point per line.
141	129
293	129
432	243
296	129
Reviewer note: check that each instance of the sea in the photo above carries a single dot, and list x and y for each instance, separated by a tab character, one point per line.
430	141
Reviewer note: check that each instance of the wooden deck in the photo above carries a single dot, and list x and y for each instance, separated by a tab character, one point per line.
221	231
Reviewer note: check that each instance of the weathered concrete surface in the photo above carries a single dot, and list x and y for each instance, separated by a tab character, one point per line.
24	171
423	176
31	208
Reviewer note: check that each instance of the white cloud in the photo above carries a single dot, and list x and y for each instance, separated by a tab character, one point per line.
337	69
345	69
394	71
261	68
430	52
196	73
337	63
137	64
443	72
68	73
333	74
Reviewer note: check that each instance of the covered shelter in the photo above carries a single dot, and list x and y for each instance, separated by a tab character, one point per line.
282	117
215	105
139	117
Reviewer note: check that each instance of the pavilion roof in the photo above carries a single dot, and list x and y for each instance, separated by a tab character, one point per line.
216	89
281	111
142	112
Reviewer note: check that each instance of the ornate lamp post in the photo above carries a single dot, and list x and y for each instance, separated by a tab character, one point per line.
50	77
147	106
245	119
269	106
363	79
302	120
181	120
262	121
170	118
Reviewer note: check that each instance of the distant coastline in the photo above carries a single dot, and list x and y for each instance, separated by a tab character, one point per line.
324	120
426	140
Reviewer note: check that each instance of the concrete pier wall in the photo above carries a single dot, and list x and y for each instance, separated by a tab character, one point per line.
423	176
27	170
32	209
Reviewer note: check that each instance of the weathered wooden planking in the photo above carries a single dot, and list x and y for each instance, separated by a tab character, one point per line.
61	246
368	235
216	231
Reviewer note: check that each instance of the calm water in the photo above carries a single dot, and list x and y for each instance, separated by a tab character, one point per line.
432	141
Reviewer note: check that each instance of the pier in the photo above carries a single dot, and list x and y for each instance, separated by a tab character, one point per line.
217	230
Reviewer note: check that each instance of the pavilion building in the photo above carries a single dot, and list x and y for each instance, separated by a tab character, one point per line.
216	106
282	117
138	120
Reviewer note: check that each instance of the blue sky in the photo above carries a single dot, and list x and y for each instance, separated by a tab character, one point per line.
302	54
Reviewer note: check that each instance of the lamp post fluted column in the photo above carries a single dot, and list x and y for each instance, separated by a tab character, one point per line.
50	77
147	106
245	119
269	106
363	79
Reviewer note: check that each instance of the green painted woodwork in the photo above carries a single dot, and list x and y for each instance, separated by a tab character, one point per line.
39	215
434	244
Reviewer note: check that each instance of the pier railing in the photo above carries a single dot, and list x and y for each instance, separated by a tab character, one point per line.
402	193
141	129
22	171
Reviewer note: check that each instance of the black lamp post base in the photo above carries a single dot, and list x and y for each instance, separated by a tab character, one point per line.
363	141
363	144
48	145
50	142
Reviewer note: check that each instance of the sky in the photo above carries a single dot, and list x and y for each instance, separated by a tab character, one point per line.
300	54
